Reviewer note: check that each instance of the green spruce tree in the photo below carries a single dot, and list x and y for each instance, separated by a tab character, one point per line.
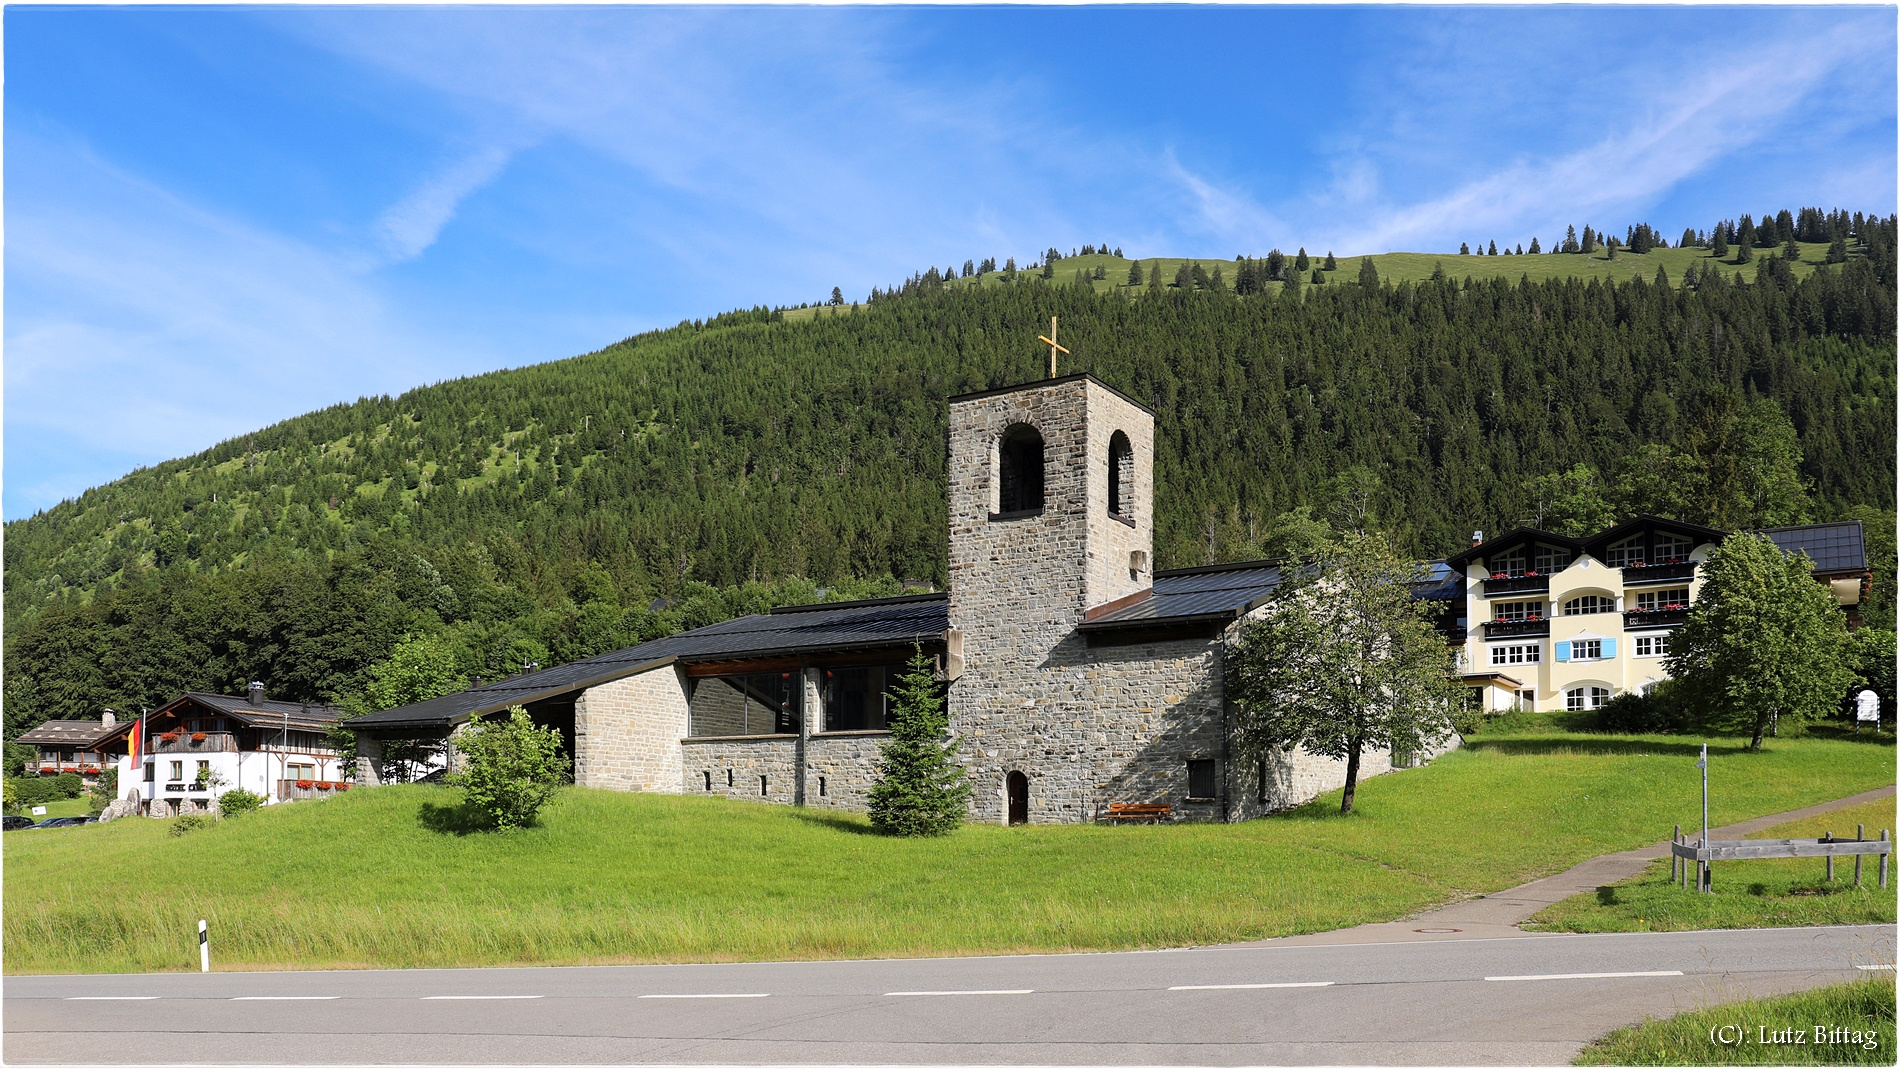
921	790
1331	264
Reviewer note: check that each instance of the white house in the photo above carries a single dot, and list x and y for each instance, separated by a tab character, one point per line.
199	745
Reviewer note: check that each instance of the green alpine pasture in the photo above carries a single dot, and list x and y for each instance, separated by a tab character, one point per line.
1769	893
1761	1031
391	877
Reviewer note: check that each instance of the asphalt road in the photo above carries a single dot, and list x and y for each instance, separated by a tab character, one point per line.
1526	1000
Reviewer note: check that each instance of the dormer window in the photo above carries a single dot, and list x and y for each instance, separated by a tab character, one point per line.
1670	548
1121	477
1511	564
1549	560
1019	455
1626	554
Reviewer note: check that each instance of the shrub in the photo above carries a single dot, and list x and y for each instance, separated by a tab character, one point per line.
188	823
103	791
231	803
39	790
1659	712
514	768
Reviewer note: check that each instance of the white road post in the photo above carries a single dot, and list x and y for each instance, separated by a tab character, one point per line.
204	948
1702	869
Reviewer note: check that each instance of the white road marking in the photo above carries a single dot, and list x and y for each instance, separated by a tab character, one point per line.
1872	967
111	998
1246	987
427	998
1011	991
762	994
284	998
1588	975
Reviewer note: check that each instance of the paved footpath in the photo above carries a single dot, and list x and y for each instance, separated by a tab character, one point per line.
1496	916
1423	1000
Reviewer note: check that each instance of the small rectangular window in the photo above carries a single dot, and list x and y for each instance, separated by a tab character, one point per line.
728	777
821	787
709	780
1527	700
1260	781
1201	779
761	786
178	771
1586	649
1652	645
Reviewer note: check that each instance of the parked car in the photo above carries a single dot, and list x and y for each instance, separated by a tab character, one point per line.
64	822
15	823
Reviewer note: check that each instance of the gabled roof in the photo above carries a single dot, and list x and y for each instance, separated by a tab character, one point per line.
1597	544
1510	538
302	716
787	630
1834	547
1037	384
83	733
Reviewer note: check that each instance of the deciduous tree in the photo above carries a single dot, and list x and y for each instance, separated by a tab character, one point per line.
1764	643
1344	660
512	769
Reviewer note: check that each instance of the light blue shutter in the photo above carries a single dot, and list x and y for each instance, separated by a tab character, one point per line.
1609	647
1563	651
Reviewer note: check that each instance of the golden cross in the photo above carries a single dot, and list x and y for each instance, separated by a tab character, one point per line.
1050	341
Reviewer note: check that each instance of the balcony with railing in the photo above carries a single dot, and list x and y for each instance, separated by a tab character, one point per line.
85	764
1501	583
1666	572
194	742
1531	628
291	790
1639	619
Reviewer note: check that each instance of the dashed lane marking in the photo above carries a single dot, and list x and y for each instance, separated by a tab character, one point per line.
459	998
1008	991
111	998
284	998
1588	975
761	994
1247	987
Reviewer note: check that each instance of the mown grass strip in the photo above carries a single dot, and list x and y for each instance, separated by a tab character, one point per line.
1843	1024
366	880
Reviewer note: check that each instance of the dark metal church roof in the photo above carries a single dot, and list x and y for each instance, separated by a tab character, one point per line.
786	630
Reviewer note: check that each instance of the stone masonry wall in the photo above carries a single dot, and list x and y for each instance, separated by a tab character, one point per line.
846	762
627	733
732	767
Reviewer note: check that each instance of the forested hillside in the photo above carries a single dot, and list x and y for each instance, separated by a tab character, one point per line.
550	512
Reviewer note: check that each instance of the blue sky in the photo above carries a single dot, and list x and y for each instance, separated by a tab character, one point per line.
217	218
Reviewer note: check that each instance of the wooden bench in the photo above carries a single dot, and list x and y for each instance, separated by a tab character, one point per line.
1139	811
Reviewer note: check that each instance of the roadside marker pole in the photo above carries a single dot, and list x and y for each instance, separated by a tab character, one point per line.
1705	877
204	948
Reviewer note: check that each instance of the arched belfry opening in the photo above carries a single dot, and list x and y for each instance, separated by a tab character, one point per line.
1121	477
1019	455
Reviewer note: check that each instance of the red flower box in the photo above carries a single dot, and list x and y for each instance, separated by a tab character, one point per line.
1499	575
49	770
343	785
323	785
197	736
304	784
169	736
91	770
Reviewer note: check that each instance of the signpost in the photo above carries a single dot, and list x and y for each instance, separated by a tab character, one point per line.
1866	710
1702	873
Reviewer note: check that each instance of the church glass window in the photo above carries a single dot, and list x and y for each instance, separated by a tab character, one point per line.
1121	476
760	703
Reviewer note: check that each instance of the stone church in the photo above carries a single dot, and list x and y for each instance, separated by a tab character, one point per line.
1078	675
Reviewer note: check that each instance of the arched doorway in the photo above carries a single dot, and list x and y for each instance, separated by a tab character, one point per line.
1018	798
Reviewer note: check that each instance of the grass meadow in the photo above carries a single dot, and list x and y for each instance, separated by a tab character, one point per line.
1767	893
379	877
1759	1031
1401	267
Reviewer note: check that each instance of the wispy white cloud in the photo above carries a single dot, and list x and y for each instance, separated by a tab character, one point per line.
143	326
1716	113
411	225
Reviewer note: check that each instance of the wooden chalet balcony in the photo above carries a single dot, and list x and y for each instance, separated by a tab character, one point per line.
1639	619
1638	575
1516	628
1517	584
214	742
85	767
289	791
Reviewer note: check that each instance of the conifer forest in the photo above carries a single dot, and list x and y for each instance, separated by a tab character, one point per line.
678	477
